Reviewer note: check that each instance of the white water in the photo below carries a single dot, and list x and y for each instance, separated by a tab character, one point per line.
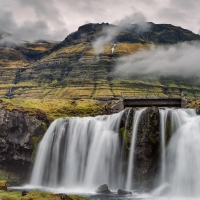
183	155
83	153
137	116
163	120
113	48
123	154
79	153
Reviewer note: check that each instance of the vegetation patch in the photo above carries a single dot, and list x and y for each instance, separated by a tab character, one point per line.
36	195
9	177
57	108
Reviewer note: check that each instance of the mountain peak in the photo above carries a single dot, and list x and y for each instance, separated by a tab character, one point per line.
91	27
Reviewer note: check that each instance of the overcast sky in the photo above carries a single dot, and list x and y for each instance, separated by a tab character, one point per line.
55	19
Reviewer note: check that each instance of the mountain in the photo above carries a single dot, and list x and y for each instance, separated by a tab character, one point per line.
71	69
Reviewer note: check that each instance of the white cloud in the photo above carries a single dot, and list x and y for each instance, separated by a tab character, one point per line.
182	59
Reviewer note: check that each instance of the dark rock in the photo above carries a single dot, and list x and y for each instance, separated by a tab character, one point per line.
20	132
123	192
24	193
103	189
147	148
198	111
64	197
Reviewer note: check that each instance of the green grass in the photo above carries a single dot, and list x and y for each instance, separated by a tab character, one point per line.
56	108
10	195
34	195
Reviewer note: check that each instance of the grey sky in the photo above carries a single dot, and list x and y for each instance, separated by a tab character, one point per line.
55	19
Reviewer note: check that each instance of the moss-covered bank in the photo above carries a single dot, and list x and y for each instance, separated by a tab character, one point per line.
37	195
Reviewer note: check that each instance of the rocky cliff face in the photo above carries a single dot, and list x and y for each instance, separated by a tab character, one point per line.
20	132
147	152
147	149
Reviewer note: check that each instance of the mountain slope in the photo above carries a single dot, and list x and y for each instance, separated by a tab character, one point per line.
71	69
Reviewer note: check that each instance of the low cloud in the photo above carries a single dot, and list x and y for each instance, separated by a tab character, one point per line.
178	60
108	35
28	31
134	18
110	32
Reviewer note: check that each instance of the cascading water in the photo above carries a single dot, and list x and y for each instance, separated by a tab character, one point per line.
86	152
137	116
123	154
79	152
183	163
163	119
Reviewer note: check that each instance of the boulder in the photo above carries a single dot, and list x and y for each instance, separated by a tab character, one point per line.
123	192
24	193
103	189
198	111
64	197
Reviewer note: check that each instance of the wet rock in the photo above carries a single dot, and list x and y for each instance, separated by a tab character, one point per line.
147	147
24	193
198	111
103	189
147	150
64	197
123	192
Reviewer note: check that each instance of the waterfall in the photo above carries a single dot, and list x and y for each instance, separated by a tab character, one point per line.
163	120
137	116
16	80
87	152
183	152
79	152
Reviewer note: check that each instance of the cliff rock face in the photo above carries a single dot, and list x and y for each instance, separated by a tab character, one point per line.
147	152
20	132
147	148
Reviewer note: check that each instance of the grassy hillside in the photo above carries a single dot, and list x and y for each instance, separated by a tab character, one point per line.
71	69
56	108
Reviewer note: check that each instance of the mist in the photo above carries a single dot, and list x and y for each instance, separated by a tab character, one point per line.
110	32
176	60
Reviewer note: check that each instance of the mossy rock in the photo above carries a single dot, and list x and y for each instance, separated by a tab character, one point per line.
3	185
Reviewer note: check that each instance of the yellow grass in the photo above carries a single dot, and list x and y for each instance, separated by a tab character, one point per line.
60	107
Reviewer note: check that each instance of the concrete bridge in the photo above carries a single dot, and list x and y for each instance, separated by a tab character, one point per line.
123	103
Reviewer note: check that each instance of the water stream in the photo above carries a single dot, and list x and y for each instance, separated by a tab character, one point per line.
183	161
80	152
137	116
163	120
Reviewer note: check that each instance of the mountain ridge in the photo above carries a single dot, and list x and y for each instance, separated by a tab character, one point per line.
72	69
